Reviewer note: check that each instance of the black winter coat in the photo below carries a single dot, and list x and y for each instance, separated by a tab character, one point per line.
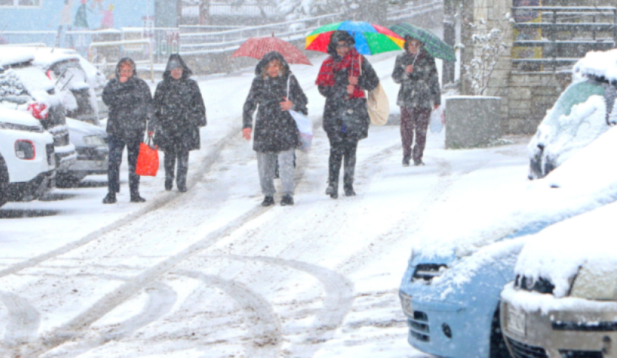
338	102
130	105
179	110
275	129
421	87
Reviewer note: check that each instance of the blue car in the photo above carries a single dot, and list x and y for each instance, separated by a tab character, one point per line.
452	302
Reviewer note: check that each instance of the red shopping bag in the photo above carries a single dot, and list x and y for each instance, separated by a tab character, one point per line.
147	161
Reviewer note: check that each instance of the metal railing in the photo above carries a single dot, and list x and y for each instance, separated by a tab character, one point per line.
202	43
119	45
415	9
564	43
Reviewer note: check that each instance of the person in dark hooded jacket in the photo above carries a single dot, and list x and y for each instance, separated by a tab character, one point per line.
275	91
342	79
130	106
416	72
179	111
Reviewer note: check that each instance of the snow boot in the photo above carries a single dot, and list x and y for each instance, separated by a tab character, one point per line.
349	190
268	201
418	162
287	200
168	184
110	198
332	190
135	198
406	161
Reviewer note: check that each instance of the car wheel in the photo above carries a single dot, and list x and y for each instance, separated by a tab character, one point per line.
4	182
66	180
498	344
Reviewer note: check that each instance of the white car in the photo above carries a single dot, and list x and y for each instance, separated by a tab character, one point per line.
585	110
26	88
563	301
27	161
90	143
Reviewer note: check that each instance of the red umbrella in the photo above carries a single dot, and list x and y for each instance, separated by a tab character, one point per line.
257	47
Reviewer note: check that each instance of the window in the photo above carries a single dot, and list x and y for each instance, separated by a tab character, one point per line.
21	3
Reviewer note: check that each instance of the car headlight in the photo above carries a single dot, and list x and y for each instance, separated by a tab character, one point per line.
595	281
427	272
94	141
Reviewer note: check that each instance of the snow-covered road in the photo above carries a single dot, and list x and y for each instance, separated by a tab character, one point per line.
210	273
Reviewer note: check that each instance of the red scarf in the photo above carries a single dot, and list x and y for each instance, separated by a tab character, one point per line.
351	61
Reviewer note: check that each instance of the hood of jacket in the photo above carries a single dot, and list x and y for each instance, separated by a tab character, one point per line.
261	66
334	40
176	61
129	61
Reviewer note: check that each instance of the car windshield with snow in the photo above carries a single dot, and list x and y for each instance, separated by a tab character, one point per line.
585	110
64	68
24	87
563	301
450	292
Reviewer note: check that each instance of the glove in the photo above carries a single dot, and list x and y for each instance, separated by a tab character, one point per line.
246	133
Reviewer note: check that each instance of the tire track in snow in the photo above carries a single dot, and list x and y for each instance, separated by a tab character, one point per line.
23	321
113	299
161	298
261	319
158	202
336	304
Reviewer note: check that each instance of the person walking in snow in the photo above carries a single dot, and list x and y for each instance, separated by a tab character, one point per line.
179	111
416	72
276	91
130	104
342	79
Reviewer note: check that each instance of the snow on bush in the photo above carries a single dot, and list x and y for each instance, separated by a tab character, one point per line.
489	46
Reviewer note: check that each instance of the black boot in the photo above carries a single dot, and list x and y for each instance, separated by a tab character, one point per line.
110	198
406	161
168	184
418	162
135	198
349	190
332	190
268	200
287	200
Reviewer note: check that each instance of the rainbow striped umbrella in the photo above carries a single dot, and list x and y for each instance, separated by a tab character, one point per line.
370	39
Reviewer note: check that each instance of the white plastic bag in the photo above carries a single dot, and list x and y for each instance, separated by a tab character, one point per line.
305	127
436	121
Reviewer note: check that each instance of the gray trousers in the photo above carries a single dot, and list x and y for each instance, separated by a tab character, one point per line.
266	164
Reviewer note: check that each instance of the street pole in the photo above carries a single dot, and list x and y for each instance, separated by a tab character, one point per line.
449	36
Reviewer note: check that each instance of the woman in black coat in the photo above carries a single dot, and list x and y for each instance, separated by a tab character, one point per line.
130	105
179	112
276	91
343	78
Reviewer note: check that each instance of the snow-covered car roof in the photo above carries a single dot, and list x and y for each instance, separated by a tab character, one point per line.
15	55
45	57
601	64
85	128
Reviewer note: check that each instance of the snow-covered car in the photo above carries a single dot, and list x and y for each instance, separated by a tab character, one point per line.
585	110
26	88
27	163
563	302
92	152
450	292
73	84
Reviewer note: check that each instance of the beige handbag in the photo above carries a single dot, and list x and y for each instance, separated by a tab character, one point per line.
377	104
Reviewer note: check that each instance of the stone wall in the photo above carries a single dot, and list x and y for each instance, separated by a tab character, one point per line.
526	96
